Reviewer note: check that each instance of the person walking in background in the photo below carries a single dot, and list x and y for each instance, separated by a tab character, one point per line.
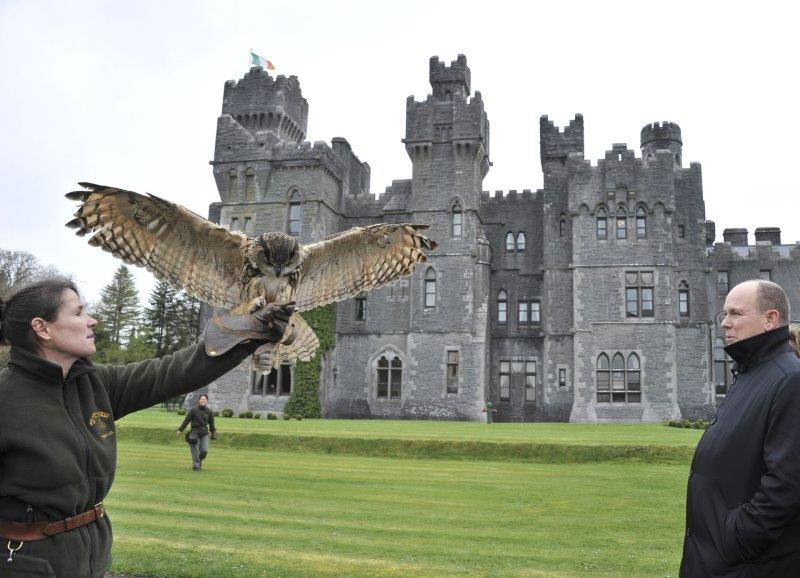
201	419
743	494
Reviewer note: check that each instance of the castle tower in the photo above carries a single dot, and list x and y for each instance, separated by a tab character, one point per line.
662	136
555	145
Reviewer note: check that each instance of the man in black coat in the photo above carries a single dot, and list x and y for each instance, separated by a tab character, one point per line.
743	496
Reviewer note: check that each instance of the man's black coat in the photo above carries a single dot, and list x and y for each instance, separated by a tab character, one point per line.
743	495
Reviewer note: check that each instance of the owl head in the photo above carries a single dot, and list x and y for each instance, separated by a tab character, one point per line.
274	254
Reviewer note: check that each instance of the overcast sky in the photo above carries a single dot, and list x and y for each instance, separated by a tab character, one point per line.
128	94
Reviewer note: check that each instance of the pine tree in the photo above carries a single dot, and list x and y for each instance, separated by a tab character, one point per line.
118	309
160	316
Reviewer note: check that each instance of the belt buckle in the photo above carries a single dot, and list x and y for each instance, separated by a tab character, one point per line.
99	510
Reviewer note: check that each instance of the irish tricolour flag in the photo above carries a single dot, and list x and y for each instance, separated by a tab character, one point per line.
256	60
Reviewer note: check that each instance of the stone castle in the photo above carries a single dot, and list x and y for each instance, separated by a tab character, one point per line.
591	299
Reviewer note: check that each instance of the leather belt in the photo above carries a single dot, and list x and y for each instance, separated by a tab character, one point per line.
21	532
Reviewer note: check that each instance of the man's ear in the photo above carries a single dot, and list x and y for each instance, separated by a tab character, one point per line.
773	320
40	330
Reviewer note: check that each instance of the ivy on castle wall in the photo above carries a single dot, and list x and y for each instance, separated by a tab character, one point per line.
304	400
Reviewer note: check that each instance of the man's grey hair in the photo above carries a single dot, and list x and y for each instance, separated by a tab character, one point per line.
771	296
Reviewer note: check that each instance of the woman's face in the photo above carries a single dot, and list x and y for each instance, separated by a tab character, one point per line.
71	333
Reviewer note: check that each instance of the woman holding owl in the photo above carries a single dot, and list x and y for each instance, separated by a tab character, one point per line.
57	436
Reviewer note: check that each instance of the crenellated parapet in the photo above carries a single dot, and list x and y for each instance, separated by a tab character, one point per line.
450	82
556	144
260	102
662	136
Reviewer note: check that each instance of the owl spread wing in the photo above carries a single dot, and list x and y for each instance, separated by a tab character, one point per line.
357	260
177	245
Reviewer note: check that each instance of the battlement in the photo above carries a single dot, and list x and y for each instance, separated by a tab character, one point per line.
511	196
556	144
258	94
305	153
658	131
449	81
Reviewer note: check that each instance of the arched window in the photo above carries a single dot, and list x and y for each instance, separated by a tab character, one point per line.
249	185
683	299
457	219
641	223
430	287
622	224
502	306
603	379
510	242
634	379
602	224
562	226
521	241
390	378
294	214
618	378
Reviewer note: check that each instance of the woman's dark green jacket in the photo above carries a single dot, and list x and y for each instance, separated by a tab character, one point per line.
58	444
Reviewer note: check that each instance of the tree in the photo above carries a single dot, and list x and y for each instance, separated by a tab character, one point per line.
118	310
159	316
18	268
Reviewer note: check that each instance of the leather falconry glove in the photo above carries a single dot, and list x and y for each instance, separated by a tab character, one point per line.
269	323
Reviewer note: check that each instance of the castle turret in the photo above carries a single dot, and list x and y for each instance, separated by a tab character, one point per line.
662	136
447	81
555	145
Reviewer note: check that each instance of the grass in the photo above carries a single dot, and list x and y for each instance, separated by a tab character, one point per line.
344	502
260	513
557	433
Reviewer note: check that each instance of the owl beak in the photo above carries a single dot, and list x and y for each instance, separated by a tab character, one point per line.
277	271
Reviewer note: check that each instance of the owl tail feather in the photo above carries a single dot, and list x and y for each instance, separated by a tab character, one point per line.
300	345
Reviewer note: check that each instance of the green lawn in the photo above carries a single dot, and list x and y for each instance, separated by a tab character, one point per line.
555	433
258	512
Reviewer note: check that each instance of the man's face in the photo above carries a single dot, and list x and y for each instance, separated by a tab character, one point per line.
203	401
741	315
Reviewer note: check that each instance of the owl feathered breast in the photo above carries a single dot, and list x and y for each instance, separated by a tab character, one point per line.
228	269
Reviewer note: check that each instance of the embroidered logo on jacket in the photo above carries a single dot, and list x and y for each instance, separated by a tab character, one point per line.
101	422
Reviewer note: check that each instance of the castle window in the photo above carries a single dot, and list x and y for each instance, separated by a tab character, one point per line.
249	185
361	307
603	380
522	312
502	306
234	225
457	220
521	241
722	282
602	224
510	242
683	299
641	223
562	377
765	274
448	96
452	372
562	226
639	294
247	226
530	381
505	380
681	231
622	224
294	214
276	382
633	380
430	287
722	369
390	377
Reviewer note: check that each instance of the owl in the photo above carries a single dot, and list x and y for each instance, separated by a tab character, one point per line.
231	270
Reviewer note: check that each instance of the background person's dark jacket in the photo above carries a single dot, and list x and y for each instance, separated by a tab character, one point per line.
743	496
58	447
202	420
